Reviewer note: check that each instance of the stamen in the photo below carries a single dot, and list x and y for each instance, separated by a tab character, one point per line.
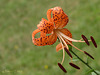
70	38
93	41
63	52
63	49
62	41
62	67
73	46
75	66
85	39
88	55
68	52
63	56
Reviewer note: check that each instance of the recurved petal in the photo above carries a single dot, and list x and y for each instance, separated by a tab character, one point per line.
66	32
45	26
45	40
58	47
49	15
42	34
51	39
59	17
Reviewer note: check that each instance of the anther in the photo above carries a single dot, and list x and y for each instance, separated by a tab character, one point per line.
88	55
85	39
93	41
75	66
68	52
62	67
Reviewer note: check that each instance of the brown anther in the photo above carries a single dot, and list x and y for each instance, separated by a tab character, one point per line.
85	39
67	52
75	66
93	41
62	67
88	55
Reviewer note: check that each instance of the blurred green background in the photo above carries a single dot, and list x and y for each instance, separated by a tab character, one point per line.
19	18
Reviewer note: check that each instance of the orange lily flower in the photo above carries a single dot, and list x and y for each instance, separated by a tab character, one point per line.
55	26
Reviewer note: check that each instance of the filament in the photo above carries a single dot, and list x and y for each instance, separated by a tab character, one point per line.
71	38
63	50
69	42
61	38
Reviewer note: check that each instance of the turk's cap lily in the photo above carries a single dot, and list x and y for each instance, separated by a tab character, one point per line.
55	27
50	26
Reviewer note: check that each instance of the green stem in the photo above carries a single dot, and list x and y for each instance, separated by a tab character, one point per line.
84	62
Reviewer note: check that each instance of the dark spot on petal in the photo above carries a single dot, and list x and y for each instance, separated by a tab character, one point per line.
41	39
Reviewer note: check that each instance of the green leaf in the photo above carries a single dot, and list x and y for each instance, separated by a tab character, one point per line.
95	73
89	72
75	59
87	61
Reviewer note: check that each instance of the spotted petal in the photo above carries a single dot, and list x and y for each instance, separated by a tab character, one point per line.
43	40
59	17
45	26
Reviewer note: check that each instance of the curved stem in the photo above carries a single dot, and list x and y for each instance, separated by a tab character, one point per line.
83	61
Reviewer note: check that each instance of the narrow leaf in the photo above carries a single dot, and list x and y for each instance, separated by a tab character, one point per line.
87	73
75	59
